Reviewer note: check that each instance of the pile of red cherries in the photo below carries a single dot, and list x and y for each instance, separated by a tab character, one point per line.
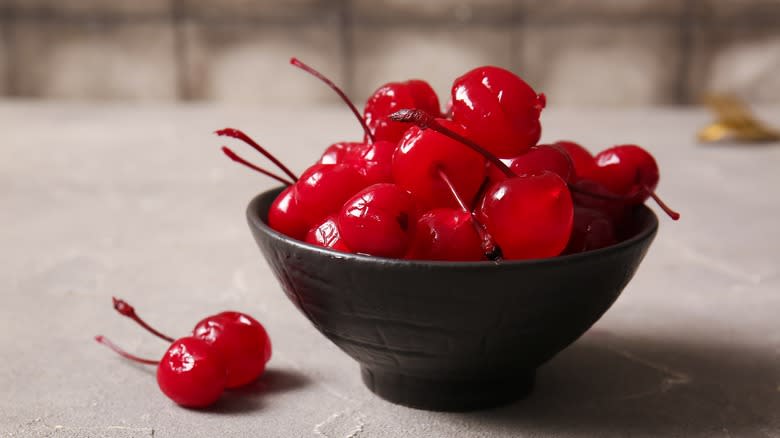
225	351
468	184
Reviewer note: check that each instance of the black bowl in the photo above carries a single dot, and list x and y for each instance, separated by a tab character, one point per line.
449	335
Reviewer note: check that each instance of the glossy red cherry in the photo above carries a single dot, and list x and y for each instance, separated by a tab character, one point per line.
286	215
240	341
529	216
327	235
322	190
500	111
378	221
192	373
592	229
392	97
422	153
335	153
627	169
243	318
376	162
446	234
373	160
630	171
535	160
583	161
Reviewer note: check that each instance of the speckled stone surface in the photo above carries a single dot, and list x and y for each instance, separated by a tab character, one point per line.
136	201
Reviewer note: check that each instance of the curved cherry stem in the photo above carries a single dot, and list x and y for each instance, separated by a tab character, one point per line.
489	247
298	63
626	198
240	135
425	121
102	340
233	156
672	214
124	308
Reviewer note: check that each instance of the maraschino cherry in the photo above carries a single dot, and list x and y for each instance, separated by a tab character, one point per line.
232	345
191	372
327	235
378	221
445	234
530	216
422	153
630	171
500	111
323	189
452	234
392	97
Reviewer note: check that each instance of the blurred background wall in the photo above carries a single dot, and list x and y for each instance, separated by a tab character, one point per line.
587	52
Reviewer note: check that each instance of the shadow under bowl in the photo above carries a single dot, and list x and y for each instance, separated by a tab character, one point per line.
450	336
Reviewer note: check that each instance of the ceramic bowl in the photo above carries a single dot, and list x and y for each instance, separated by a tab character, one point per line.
450	335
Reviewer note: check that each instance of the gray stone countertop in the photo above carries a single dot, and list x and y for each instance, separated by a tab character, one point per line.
136	201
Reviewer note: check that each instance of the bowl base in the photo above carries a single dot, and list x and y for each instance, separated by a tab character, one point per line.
447	395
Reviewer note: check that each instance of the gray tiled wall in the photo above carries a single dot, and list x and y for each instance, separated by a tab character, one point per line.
579	52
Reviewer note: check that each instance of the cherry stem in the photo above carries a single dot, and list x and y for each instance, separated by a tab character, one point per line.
672	214
240	135
233	156
425	121
298	63
102	340
625	198
124	308
489	246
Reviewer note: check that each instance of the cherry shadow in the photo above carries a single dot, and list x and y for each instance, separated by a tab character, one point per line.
250	398
611	386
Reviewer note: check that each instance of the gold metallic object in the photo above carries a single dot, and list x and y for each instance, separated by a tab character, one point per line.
735	122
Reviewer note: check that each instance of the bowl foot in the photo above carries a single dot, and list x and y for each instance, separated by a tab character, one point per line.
447	395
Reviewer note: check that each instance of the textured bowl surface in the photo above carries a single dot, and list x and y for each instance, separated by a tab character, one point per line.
449	335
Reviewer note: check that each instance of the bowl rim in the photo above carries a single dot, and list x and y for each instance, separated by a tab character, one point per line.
253	208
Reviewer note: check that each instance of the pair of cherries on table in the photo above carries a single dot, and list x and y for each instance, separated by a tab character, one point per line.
471	184
225	351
